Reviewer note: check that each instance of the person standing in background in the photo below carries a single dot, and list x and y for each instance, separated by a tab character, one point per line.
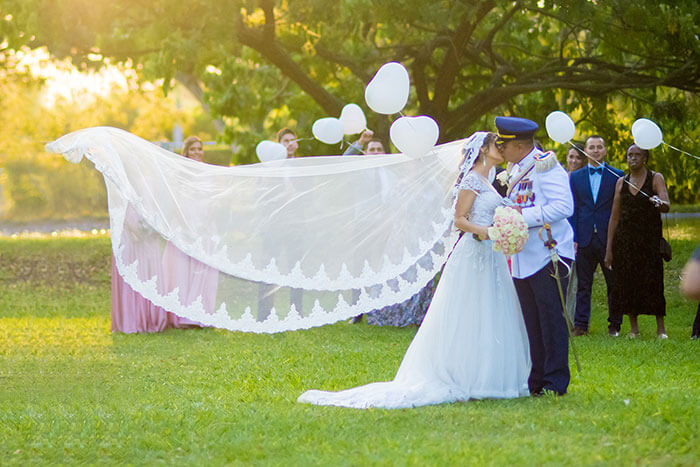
690	287
287	138
593	188
374	145
193	149
575	159
634	236
411	311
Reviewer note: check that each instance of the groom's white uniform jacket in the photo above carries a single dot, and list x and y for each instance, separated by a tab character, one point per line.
540	186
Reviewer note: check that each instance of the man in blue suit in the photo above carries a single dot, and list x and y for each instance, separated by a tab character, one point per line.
593	188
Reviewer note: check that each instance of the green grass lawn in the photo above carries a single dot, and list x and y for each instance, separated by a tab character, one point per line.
71	392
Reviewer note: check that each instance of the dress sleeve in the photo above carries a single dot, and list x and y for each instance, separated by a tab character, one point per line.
471	182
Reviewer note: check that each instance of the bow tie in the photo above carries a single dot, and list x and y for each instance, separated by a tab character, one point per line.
595	170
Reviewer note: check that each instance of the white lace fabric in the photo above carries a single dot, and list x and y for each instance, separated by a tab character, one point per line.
274	246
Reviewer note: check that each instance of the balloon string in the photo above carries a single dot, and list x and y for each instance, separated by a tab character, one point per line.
610	170
682	151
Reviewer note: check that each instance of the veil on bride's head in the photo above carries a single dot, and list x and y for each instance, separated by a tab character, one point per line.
472	148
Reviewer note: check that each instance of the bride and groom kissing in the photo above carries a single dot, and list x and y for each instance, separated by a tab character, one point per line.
489	332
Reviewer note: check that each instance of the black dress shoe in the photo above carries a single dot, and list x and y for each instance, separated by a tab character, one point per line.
357	319
552	392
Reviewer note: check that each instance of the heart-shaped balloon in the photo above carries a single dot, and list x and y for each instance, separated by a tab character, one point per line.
328	130
560	127
414	136
270	151
387	91
646	134
353	119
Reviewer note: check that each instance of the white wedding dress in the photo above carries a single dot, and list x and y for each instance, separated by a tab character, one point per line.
472	343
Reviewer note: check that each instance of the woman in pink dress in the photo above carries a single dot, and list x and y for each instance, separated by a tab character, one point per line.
194	279
131	312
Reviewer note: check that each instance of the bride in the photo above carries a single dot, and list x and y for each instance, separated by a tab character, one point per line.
472	343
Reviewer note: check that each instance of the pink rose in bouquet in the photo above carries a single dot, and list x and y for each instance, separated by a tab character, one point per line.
509	231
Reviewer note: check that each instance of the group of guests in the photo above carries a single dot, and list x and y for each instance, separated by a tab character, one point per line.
617	226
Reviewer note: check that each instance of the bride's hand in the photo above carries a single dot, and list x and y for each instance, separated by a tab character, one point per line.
483	233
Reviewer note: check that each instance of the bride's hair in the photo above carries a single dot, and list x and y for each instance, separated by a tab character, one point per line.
488	139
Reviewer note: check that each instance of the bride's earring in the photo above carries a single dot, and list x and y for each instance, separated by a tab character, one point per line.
483	158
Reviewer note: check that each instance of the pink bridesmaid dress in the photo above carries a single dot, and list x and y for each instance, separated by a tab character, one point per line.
193	279
131	313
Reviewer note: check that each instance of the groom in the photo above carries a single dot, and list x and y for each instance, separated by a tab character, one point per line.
539	186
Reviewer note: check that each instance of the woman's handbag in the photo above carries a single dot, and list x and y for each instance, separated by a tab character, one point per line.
665	249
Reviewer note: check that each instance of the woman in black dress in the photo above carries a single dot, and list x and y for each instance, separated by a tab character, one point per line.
634	234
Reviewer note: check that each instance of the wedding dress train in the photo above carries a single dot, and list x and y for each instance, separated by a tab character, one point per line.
472	343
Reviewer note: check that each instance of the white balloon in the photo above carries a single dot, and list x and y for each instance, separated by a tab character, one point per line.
328	130
560	127
353	119
647	134
414	136
270	151
387	91
639	121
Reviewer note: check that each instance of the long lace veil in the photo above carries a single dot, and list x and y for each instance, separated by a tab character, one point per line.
274	246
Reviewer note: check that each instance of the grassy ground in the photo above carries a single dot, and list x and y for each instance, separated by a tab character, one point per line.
71	392
685	207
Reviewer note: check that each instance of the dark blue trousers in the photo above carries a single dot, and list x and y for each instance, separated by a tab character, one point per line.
587	260
546	329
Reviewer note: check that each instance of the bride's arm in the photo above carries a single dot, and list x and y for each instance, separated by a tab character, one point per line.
465	200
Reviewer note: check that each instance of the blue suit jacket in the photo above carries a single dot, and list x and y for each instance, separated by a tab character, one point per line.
587	213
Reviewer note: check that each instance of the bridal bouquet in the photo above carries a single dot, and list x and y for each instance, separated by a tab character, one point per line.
509	231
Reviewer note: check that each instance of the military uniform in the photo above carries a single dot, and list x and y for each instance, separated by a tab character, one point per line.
540	186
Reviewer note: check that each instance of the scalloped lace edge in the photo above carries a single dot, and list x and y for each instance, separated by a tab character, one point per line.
292	320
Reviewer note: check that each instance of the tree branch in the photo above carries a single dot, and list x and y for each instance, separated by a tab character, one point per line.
275	54
451	64
487	44
268	7
357	68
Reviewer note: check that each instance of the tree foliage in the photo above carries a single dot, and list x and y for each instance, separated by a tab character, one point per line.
36	185
263	64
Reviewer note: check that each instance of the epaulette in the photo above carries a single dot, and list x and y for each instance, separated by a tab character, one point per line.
545	161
